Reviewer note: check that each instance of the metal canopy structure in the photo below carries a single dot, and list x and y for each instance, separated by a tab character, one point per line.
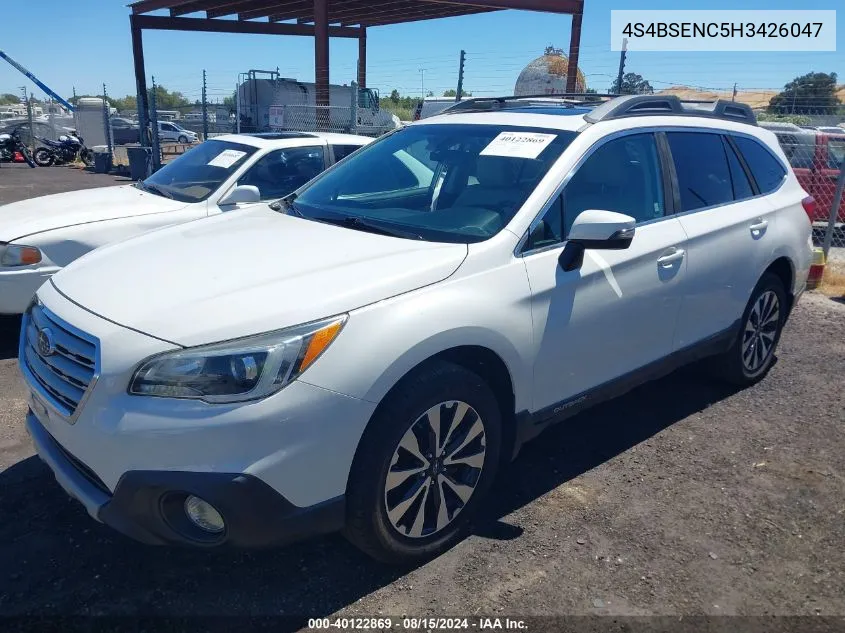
320	19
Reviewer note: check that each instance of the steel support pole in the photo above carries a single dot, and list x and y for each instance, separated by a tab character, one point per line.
574	49
362	57
321	62
140	80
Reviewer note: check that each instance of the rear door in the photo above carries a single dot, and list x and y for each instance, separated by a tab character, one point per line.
728	224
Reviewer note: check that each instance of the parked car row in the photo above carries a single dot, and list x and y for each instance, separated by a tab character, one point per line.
125	131
367	351
816	156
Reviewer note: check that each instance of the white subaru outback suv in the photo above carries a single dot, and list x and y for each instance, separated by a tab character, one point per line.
366	353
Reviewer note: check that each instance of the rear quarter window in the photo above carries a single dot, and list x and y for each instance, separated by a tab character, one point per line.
766	169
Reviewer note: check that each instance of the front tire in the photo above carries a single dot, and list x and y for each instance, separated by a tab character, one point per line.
87	157
27	156
183	140
753	352
424	465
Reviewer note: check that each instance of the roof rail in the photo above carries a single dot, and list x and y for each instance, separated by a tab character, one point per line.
482	104
670	105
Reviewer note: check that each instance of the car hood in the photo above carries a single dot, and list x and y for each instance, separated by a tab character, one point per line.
47	213
248	272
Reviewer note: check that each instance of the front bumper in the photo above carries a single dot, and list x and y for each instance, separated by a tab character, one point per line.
147	505
18	287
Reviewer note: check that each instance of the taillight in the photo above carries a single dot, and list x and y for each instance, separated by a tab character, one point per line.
809	204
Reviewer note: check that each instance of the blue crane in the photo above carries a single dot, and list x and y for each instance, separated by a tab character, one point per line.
36	81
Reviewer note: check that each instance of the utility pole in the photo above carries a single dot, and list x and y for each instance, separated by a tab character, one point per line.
622	56
733	97
422	83
460	92
204	109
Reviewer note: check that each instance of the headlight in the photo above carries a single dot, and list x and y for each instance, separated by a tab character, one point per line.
243	369
16	255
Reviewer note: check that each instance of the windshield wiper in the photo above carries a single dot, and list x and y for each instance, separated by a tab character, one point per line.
360	224
155	189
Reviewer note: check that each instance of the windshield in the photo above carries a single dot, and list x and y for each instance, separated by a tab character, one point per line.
199	172
443	183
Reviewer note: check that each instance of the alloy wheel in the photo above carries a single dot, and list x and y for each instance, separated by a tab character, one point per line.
435	469
761	328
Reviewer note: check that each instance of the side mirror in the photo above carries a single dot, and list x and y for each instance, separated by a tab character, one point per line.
605	230
242	194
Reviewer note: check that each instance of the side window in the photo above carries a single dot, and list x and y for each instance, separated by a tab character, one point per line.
342	151
280	172
704	179
835	153
548	230
766	169
739	180
623	175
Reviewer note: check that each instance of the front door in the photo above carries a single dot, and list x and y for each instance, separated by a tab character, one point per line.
618	312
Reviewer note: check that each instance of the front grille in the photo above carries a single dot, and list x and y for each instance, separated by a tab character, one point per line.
66	369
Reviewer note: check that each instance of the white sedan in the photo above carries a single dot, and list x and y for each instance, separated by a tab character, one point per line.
39	236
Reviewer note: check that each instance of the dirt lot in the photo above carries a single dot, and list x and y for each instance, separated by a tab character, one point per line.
683	497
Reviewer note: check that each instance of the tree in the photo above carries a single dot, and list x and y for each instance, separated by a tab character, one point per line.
592	91
129	102
8	98
166	100
813	93
632	84
394	96
229	102
454	93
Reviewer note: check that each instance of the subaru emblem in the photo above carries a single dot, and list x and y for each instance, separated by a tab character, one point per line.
46	344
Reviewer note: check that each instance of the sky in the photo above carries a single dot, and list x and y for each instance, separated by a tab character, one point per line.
89	44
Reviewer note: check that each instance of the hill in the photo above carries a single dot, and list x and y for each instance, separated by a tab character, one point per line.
754	98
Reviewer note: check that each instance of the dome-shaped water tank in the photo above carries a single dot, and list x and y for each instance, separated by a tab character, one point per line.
546	75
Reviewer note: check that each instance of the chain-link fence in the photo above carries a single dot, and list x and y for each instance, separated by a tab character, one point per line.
298	117
818	159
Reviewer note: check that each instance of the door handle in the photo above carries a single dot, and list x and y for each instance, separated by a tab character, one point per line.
668	260
759	225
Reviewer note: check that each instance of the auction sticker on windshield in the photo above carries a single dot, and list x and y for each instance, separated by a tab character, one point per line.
518	144
226	158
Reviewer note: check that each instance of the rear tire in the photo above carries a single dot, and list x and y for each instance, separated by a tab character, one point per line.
87	157
413	490
753	351
43	157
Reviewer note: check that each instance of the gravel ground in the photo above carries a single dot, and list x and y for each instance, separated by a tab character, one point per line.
682	497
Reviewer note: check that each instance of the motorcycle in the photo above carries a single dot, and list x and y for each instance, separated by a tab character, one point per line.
9	144
65	150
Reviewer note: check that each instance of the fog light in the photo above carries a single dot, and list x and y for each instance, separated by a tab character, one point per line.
204	515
